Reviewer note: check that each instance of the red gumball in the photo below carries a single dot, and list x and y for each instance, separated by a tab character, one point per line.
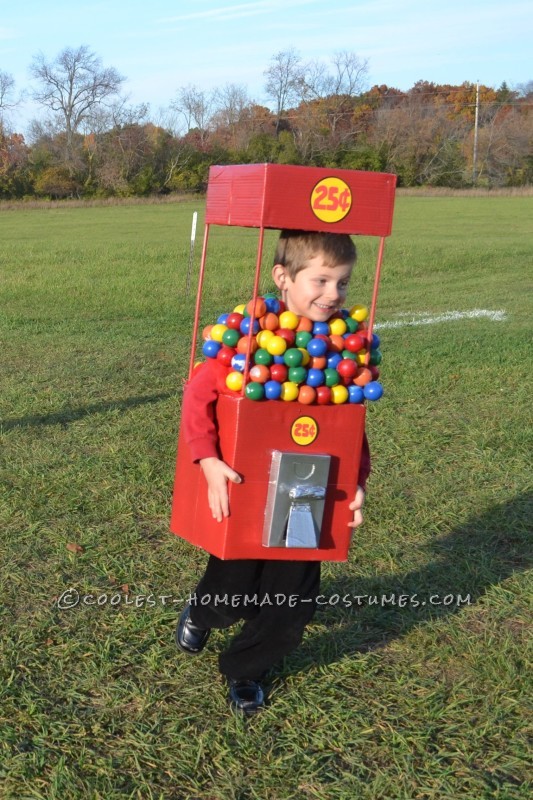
234	320
225	354
279	373
355	342
288	335
347	368
375	372
323	395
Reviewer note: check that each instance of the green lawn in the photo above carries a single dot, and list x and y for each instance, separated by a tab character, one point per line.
422	701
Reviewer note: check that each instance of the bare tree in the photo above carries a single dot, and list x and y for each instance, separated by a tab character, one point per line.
195	106
72	86
7	85
284	81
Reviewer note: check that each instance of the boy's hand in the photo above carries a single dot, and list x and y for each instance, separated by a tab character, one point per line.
356	506
217	474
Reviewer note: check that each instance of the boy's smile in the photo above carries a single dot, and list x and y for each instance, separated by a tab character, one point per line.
317	291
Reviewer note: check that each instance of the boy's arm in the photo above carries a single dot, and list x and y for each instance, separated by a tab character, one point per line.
364	471
217	474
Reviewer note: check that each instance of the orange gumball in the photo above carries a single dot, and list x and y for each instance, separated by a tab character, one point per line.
336	343
242	345
305	325
318	362
260	307
269	321
362	376
259	373
206	333
306	395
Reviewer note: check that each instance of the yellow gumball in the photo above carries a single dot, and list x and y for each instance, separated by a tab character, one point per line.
306	357
276	346
360	357
289	391
339	394
234	381
359	313
263	337
217	331
240	308
289	320
338	327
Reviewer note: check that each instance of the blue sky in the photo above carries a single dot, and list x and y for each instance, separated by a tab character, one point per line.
160	45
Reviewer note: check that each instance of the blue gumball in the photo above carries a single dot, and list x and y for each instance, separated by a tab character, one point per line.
272	303
375	341
278	359
272	390
222	319
210	348
321	327
333	360
373	390
355	394
238	361
317	347
245	326
315	377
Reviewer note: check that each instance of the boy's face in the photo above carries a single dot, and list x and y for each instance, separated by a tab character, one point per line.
317	291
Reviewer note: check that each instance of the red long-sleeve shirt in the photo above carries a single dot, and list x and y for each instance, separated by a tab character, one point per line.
198	416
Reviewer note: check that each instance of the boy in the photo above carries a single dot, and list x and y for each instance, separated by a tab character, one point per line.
312	271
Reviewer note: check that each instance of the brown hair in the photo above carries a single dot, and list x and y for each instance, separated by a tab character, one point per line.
295	248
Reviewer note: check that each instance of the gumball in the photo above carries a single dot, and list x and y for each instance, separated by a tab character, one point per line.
238	362
323	395
246	324
226	355
262	356
278	359
269	321
339	394
259	308
242	345
355	394
254	391
320	327
263	337
234	320
272	303
375	372
272	390
293	357
337	327
289	391
375	341
359	313
360	357
317	347
306	395
349	354
331	377
344	313
222	319
230	337
259	373
297	374
373	390
306	358
332	359
206	333
234	381
347	368
288	319
210	348
315	377
354	342
362	377
217	332
282	307
240	309
276	345
318	362
375	357
304	325
351	324
287	334
302	338
279	372
336	343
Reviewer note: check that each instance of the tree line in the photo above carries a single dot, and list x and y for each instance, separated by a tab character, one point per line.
90	142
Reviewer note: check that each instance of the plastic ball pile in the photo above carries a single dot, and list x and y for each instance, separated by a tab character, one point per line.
295	359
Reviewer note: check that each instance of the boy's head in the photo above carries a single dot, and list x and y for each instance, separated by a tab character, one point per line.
312	271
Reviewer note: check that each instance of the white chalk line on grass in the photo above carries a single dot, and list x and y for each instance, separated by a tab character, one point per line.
424	318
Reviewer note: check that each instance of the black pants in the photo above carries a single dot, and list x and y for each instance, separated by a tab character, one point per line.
275	598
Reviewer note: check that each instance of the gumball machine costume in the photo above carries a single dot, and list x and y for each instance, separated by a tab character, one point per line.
291	420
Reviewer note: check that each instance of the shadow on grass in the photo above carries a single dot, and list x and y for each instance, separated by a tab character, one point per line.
68	415
467	562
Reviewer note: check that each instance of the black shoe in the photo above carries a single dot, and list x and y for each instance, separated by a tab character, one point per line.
246	696
189	637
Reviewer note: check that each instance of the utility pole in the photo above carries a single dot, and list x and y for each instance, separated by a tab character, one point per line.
476	126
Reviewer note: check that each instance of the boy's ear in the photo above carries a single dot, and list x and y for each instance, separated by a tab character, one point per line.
279	275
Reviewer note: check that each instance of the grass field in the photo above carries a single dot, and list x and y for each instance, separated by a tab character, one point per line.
422	701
